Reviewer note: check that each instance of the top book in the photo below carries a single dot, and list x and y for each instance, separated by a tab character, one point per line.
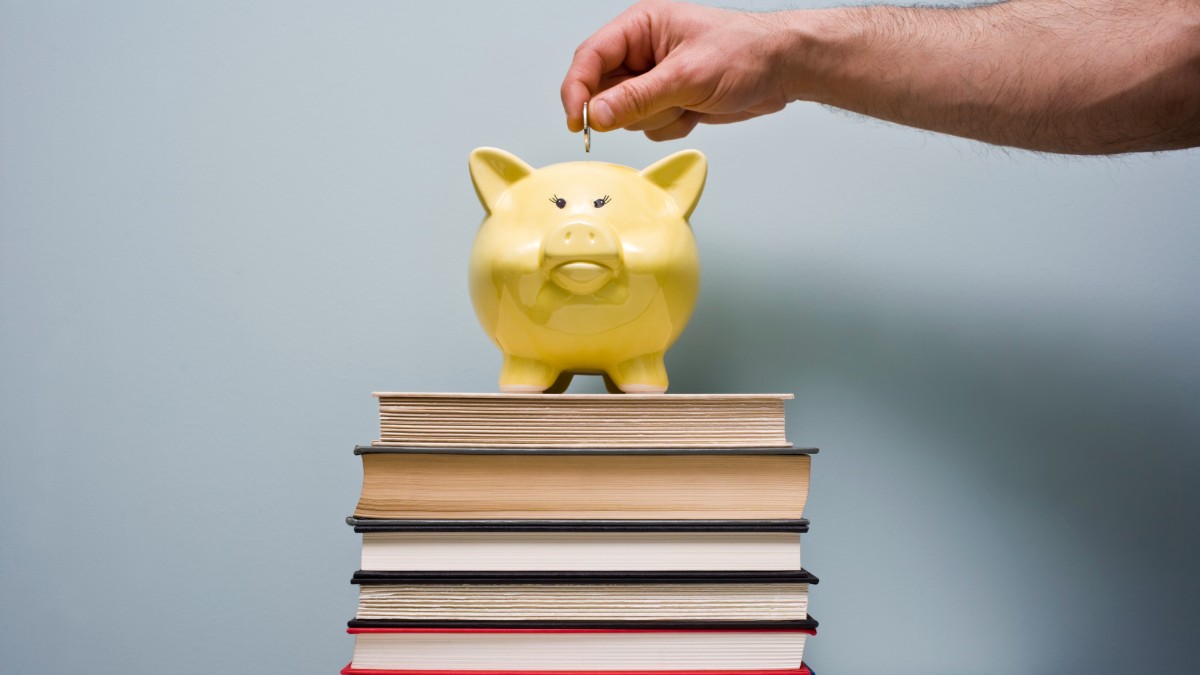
582	420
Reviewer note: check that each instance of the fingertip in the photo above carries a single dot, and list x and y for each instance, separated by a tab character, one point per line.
573	94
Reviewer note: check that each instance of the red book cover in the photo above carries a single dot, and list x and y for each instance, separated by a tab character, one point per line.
350	670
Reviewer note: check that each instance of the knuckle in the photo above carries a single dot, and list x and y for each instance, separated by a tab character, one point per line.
671	132
660	135
689	71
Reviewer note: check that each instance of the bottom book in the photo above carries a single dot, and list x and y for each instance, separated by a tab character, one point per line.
627	651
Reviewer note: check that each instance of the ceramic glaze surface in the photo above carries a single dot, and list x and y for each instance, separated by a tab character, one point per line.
585	267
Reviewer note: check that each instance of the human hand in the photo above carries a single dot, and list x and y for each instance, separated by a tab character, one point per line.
664	67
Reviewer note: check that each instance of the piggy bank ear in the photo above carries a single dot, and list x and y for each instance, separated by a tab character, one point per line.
682	176
493	171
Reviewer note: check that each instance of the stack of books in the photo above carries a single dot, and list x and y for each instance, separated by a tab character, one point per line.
508	533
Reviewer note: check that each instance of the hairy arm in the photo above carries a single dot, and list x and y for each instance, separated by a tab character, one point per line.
1069	76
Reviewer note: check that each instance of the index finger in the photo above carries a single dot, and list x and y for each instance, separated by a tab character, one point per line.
581	81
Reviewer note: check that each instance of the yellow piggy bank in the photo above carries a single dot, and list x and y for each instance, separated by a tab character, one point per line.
585	267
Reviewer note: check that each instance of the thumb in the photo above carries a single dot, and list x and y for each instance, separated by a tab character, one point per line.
635	99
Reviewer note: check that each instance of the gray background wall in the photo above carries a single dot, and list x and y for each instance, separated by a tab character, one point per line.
224	224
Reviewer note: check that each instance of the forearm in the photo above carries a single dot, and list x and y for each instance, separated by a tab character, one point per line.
1103	76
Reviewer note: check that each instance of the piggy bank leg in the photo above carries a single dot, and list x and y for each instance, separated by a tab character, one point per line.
645	374
526	376
562	383
610	386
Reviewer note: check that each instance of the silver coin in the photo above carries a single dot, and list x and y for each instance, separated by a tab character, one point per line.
587	130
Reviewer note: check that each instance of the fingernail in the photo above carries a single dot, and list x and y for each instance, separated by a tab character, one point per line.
601	113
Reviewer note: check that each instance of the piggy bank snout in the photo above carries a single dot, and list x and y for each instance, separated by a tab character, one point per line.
581	257
581	241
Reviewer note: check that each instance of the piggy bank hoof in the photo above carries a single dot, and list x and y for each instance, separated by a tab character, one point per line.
529	376
642	375
557	387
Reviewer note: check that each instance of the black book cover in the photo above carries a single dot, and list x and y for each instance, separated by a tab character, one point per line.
807	624
565	525
802	576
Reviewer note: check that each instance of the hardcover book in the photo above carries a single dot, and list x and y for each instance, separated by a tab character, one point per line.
744	651
581	420
549	483
690	598
802	670
579	545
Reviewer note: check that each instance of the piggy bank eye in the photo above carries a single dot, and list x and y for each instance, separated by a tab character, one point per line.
602	201
558	201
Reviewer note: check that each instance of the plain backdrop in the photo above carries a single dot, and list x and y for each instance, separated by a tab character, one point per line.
224	224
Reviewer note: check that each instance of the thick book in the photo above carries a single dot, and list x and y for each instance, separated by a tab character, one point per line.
581	420
660	650
762	598
551	483
579	545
